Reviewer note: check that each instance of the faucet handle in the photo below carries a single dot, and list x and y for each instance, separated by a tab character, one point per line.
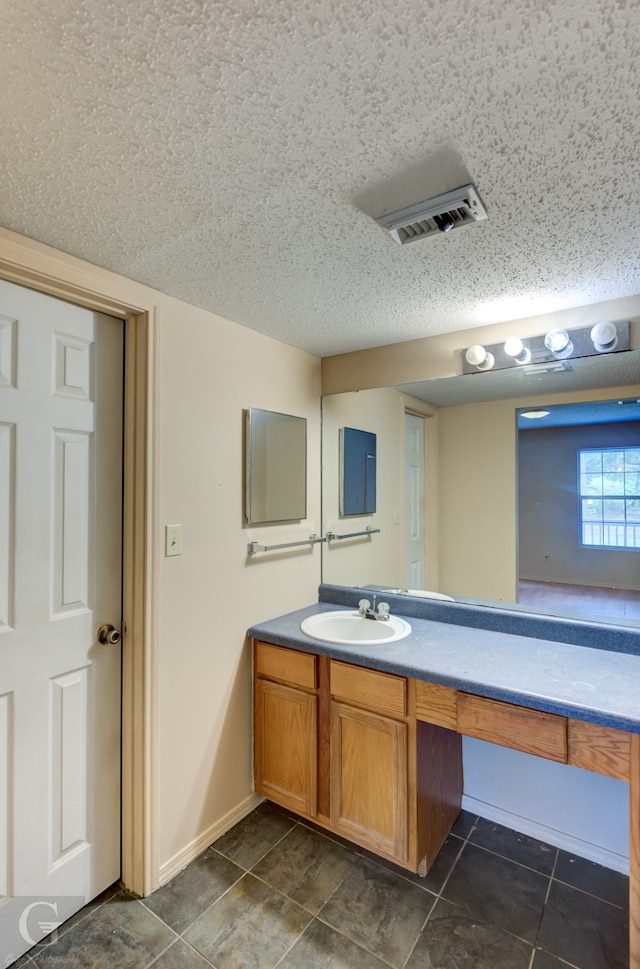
363	605
383	609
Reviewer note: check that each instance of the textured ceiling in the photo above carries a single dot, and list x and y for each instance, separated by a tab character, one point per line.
235	154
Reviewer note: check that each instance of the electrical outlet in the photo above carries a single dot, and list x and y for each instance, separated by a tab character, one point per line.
173	540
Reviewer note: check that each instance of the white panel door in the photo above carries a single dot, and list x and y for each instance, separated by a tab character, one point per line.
414	502
61	377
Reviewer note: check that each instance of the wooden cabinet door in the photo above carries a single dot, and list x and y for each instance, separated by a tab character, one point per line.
285	746
369	779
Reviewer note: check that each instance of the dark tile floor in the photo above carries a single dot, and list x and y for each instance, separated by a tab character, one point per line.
276	892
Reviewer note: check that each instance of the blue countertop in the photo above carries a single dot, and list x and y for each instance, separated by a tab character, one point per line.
600	684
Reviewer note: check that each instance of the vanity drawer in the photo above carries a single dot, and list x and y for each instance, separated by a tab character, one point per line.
286	665
382	692
534	732
437	704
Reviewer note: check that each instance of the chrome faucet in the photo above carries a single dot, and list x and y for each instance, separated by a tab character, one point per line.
365	610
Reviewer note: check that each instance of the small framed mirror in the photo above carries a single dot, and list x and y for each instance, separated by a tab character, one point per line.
276	467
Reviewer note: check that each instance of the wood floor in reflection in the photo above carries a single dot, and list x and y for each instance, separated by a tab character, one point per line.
580	599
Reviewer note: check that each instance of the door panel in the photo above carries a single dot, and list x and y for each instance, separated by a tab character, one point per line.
61	372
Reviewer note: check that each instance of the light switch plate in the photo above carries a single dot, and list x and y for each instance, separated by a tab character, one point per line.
172	540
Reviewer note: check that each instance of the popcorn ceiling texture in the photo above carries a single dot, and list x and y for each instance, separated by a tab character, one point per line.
236	154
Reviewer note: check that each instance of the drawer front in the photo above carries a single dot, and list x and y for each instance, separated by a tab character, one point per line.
382	692
532	731
437	704
286	665
600	749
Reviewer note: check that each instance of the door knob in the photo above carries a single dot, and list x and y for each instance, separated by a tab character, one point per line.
108	635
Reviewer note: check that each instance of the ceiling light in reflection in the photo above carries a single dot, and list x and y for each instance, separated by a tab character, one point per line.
534	415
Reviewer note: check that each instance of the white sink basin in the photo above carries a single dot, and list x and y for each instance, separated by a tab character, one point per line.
350	628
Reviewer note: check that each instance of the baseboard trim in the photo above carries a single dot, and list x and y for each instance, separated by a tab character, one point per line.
560	839
196	847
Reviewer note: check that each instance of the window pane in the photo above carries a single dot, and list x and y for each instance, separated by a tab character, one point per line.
632	483
632	459
591	509
612	483
633	509
613	460
613	509
590	461
590	484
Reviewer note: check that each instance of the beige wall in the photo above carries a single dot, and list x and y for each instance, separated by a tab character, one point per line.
204	371
377	560
478	501
210	371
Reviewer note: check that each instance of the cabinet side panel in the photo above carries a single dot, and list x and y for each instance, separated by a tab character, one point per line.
439	788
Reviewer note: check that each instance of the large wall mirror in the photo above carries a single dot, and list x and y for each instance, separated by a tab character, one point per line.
276	467
480	504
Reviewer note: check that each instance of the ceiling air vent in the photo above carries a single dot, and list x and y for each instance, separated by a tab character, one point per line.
452	210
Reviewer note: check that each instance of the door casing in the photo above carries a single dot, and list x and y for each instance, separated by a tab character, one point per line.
38	267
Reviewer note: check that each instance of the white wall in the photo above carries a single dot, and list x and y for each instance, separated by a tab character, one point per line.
574	809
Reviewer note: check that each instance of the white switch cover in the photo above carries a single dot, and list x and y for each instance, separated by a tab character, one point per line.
173	540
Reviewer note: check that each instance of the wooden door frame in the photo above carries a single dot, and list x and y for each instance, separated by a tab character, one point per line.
38	267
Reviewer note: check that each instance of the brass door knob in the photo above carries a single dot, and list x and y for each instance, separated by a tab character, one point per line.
108	635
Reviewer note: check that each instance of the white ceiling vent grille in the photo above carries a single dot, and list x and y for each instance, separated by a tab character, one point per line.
452	210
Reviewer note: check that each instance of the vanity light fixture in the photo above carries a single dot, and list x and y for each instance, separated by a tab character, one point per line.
553	347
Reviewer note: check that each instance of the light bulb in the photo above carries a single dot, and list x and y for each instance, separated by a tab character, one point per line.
478	357
604	336
559	343
514	347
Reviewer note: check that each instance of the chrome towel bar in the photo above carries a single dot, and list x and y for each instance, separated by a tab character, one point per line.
313	539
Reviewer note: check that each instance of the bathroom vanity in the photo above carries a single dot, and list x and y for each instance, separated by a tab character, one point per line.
366	740
343	746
